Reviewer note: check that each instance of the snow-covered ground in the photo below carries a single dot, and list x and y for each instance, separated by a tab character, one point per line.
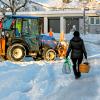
42	80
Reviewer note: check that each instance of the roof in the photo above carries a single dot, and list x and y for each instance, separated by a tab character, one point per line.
20	16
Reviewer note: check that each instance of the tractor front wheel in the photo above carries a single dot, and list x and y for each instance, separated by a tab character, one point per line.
49	54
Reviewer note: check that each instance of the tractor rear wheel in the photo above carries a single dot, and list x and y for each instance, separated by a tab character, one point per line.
16	52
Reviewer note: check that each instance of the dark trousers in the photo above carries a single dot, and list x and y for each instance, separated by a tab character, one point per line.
76	62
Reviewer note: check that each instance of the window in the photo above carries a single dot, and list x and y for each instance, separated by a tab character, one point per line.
35	26
25	28
92	20
19	24
95	20
30	26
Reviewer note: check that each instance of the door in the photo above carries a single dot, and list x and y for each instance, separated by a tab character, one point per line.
54	23
72	24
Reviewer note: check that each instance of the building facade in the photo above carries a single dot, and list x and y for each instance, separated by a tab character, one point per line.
68	21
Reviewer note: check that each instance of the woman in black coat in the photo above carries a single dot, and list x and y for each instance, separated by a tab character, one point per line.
77	49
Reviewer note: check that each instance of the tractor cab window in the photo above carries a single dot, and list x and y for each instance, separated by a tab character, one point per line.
7	23
18	27
30	27
8	27
25	27
35	26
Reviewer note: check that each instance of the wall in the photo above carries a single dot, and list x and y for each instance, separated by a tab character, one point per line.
94	29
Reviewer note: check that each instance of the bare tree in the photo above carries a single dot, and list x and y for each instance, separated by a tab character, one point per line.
13	5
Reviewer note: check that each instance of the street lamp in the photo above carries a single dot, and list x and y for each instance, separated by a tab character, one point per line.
85	9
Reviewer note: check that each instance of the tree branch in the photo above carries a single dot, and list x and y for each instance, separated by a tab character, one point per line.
13	7
23	5
4	3
10	2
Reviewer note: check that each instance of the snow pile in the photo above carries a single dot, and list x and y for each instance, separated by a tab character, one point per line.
40	78
15	80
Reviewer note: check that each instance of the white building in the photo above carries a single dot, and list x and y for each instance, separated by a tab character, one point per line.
62	17
63	21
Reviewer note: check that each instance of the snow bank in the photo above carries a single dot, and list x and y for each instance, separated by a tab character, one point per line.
38	78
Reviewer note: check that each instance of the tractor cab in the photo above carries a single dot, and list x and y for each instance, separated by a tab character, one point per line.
22	30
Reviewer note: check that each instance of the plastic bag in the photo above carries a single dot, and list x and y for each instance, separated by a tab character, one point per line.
66	69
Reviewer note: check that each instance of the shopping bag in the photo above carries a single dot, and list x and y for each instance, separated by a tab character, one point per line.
66	69
84	67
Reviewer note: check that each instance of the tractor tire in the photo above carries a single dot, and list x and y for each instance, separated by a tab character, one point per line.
16	52
49	54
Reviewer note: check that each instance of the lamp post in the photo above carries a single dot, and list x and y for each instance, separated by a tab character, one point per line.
84	12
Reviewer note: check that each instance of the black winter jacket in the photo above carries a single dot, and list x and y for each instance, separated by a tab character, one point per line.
77	48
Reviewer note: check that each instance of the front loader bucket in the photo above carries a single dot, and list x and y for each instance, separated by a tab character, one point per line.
62	49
